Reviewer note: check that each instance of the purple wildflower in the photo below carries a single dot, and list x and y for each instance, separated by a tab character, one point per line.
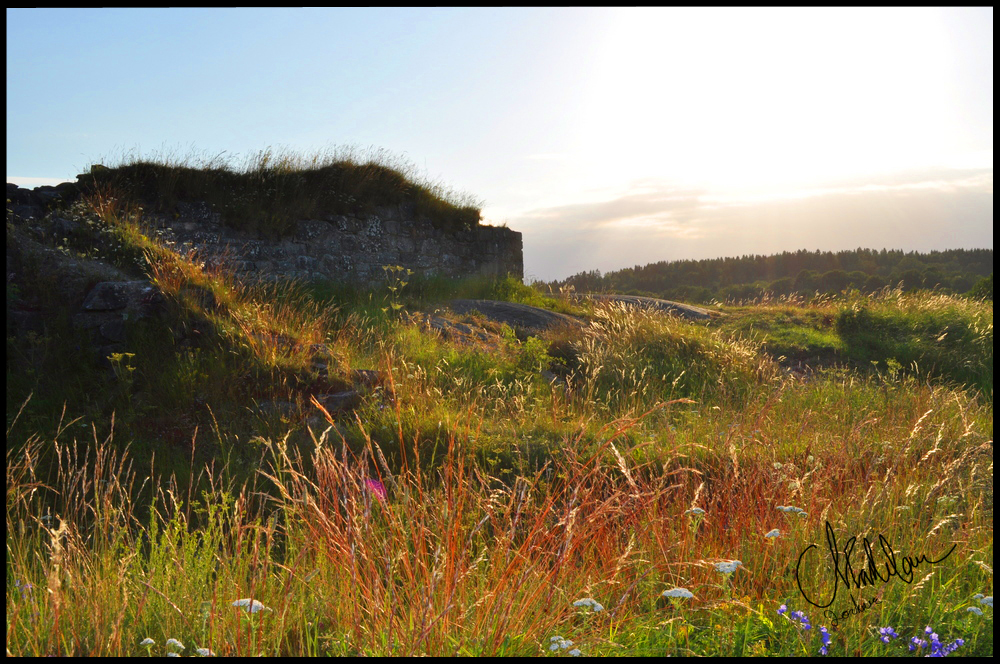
782	609
377	488
887	634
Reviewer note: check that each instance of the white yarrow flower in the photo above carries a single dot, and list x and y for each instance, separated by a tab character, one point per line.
774	533
589	601
678	592
174	643
575	652
988	600
728	567
697	511
147	642
251	605
976	610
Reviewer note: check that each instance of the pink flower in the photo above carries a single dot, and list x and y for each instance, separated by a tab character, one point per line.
377	488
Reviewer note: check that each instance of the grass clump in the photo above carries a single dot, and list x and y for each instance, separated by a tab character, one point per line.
931	335
271	190
638	357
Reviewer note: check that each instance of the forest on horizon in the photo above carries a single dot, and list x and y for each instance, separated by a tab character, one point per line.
800	272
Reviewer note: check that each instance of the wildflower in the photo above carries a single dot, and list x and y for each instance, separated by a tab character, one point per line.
988	601
205	652
377	488
825	635
773	533
976	610
592	603
683	593
803	619
174	643
782	609
26	588
147	642
251	605
728	567
697	511
888	633
575	652
917	643
797	615
557	642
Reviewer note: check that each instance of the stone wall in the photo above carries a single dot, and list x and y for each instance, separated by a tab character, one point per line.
351	249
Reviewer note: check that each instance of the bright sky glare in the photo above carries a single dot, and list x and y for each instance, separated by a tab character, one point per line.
608	137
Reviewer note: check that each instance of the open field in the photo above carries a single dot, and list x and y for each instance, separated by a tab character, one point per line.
481	488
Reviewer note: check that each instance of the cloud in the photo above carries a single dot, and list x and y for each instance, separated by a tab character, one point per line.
654	221
664	204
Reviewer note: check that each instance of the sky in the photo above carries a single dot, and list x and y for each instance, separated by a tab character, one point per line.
609	137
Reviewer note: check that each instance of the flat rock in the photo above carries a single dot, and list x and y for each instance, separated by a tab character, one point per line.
677	308
523	316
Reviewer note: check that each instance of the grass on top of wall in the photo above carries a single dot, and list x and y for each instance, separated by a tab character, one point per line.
272	189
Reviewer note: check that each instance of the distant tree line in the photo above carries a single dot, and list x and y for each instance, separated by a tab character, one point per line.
801	272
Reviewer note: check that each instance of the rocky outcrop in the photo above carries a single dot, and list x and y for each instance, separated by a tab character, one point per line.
676	308
519	316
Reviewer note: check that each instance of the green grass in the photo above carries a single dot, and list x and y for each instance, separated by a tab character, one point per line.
931	335
944	338
144	497
792	332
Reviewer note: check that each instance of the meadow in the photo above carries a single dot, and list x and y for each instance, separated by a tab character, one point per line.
649	486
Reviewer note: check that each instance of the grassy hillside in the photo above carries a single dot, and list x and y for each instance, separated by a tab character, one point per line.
489	493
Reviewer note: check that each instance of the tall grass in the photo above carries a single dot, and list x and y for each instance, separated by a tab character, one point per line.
929	334
455	560
270	190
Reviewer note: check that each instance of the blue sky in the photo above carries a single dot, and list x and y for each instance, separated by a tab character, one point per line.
608	137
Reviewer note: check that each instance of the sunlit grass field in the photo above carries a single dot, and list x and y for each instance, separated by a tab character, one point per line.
646	487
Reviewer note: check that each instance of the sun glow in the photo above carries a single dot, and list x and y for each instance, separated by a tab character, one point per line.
774	98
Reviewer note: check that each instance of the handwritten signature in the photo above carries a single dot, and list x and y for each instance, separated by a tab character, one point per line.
870	573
